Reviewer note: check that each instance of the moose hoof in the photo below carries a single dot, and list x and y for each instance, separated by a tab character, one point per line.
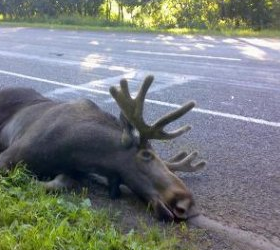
114	192
59	182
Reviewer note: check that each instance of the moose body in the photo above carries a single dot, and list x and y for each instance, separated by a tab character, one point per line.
76	139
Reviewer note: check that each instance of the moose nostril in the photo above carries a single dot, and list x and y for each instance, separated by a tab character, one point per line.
180	210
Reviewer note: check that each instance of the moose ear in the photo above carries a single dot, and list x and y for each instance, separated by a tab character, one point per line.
129	136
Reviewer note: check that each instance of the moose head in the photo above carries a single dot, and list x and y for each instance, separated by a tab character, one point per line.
153	179
71	140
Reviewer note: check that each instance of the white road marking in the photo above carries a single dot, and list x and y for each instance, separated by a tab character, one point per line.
101	83
37	79
95	61
166	104
165	80
182	55
221	114
238	117
90	64
84	64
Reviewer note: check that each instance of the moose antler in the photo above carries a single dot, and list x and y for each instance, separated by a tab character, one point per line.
132	109
183	162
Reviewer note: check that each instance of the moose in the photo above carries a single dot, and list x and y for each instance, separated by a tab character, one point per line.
68	141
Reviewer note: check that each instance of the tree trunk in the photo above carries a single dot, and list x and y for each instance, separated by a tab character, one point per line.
108	9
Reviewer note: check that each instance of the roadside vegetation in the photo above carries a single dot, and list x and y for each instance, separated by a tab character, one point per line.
207	17
78	25
30	218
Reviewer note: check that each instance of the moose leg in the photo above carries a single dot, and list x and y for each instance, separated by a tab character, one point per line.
7	160
113	183
3	163
114	187
59	182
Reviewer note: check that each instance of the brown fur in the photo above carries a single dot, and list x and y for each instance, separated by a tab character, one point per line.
76	139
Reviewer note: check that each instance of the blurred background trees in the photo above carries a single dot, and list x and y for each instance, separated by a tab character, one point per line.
208	14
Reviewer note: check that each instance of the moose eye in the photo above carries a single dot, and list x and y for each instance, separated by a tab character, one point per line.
146	155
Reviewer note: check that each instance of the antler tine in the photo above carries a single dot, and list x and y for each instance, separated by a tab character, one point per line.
178	157
142	94
162	135
140	98
163	121
144	88
184	163
122	96
132	109
124	89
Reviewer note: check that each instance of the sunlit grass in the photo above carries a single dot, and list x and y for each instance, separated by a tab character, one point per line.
225	32
30	218
86	23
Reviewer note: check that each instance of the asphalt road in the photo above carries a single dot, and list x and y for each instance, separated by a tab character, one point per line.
235	81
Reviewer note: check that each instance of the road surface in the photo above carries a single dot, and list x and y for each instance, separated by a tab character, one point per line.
235	82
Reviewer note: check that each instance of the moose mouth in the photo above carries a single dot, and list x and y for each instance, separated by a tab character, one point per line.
166	213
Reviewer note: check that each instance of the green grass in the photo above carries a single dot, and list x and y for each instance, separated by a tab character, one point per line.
30	218
227	32
86	23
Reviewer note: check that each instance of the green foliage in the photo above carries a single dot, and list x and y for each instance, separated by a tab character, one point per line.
201	14
32	219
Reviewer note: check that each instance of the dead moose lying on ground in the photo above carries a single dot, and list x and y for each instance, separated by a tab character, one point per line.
71	140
